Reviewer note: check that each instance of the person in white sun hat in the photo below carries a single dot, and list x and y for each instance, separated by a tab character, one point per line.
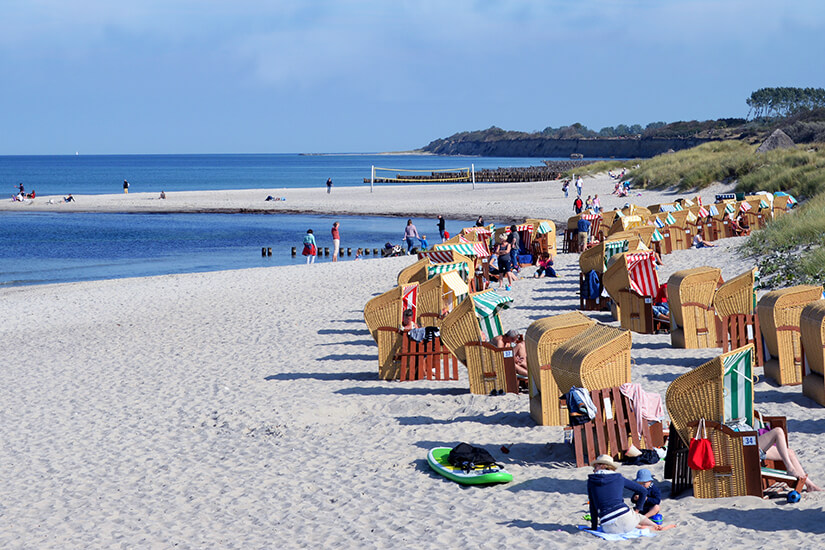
607	506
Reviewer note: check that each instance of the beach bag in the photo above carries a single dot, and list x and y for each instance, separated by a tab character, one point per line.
467	457
700	454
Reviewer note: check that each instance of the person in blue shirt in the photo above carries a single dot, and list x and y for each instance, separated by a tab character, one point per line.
583	226
652	505
607	507
422	242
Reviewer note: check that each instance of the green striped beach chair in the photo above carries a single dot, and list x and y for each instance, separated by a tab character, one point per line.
467	332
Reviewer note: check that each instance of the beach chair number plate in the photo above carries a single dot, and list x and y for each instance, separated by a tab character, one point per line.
749	441
648	300
508	353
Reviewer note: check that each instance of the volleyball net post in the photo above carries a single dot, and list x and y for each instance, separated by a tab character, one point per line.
473	169
372	177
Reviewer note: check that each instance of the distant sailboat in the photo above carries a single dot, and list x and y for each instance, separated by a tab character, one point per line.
76	153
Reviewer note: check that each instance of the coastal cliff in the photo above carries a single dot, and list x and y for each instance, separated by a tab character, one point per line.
546	147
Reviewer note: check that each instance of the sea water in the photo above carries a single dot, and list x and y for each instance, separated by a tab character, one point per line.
44	248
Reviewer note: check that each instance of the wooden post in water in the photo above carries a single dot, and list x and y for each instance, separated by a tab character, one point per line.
326	251
366	252
349	252
294	252
263	251
269	251
375	252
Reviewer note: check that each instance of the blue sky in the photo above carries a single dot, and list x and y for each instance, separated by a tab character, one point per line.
207	76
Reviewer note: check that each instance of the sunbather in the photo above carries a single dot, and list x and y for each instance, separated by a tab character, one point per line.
700	242
512	339
775	446
408	320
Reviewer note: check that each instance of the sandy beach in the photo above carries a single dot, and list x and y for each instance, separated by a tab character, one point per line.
492	200
242	409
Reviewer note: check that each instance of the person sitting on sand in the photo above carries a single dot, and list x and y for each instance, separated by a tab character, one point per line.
774	444
652	505
545	267
607	507
408	320
163	195
700	242
70	198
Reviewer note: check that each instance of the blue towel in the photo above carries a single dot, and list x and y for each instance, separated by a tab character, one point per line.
634	534
593	285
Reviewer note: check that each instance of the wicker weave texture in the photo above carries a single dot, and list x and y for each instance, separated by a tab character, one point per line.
389	344
416	272
779	317
384	311
593	258
596	358
616	276
695	325
459	327
541	339
429	296
736	295
481	360
727	451
812	326
696	394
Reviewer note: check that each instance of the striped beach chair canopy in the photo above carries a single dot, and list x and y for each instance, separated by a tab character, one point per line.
409	298
595	224
738	385
487	307
437	256
629	222
611	248
543	228
461	268
453	283
641	267
656	236
478	250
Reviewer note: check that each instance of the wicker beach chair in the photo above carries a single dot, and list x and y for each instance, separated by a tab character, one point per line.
541	340
596	358
812	327
735	305
632	281
467	331
544	236
444	291
595	258
779	316
627	223
415	273
690	298
383	316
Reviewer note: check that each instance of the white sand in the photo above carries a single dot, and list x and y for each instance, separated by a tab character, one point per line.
242	409
498	201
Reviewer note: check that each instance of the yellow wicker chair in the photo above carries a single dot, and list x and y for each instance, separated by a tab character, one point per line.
680	235
593	258
444	290
415	273
690	298
719	391
737	295
812	326
633	309
385	312
541	340
779	315
546	241
596	358
461	333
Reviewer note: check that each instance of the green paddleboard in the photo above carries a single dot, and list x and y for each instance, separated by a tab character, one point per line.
438	459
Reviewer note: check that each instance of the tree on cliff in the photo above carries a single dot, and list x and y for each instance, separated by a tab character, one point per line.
782	102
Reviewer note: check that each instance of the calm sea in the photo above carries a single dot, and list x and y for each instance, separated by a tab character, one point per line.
44	248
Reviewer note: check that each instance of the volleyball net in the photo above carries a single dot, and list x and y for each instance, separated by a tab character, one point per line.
405	175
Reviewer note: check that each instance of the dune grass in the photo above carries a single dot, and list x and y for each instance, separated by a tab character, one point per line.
799	171
789	251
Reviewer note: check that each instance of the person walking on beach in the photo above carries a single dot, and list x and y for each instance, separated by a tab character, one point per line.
410	235
126	187
310	250
480	222
597	205
577	205
579	183
329	185
336	242
515	245
564	187
441	227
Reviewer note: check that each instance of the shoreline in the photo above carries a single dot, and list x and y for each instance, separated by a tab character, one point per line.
502	201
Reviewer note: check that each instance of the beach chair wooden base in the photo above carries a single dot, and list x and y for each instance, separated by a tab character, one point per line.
735	331
570	242
676	465
490	369
613	430
426	361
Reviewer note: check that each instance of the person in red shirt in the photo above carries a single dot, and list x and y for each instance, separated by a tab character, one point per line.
336	242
